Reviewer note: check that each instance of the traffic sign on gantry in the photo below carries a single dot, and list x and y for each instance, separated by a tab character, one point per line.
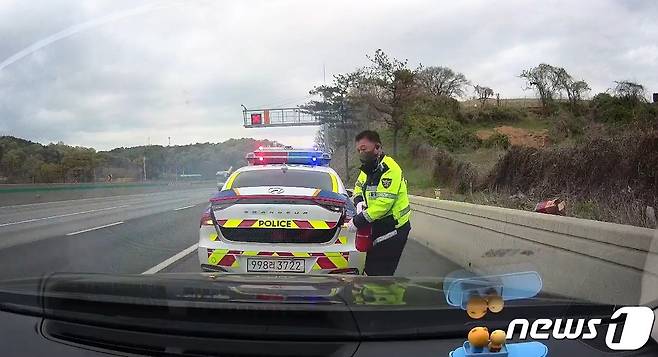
279	117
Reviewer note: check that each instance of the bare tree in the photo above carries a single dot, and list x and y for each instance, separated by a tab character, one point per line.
483	93
574	89
578	88
442	82
542	79
631	91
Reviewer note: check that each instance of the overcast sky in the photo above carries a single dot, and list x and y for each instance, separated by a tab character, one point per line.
114	73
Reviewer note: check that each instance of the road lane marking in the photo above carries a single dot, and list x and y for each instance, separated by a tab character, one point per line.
60	216
95	228
100	198
182	254
182	208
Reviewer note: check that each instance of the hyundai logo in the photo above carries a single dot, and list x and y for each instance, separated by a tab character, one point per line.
275	190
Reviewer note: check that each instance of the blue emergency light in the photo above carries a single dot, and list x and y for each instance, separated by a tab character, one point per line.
289	156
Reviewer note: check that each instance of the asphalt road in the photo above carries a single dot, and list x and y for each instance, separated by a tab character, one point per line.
129	234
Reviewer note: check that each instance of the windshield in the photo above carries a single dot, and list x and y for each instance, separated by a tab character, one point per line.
484	162
279	177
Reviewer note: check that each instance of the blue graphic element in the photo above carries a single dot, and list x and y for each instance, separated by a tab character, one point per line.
460	285
524	349
314	158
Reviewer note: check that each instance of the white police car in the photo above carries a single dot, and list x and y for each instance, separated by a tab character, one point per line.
284	213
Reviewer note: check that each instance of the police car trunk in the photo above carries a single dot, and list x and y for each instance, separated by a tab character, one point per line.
284	227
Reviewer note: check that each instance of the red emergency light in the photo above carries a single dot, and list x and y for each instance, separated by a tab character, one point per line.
287	155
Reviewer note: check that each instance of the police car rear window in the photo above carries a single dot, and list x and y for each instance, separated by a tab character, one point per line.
289	178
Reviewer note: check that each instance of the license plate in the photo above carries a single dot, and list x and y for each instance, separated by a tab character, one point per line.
276	265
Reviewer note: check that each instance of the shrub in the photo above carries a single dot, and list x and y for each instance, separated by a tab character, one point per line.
494	115
612	110
455	174
443	133
598	167
497	140
566	125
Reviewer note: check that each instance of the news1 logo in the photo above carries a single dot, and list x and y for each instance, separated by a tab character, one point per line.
637	323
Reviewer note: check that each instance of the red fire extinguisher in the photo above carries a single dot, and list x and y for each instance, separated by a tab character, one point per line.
364	238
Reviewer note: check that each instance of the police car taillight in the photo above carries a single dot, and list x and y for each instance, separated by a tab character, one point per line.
206	219
220	203
330	204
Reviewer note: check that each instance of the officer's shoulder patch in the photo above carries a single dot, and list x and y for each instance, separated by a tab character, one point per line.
386	182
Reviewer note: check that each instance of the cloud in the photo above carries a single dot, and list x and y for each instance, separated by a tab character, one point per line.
112	73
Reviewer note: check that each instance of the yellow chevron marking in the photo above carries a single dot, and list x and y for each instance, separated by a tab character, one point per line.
216	256
339	262
317	224
232	223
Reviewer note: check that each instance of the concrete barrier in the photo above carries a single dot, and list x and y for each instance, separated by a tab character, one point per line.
596	261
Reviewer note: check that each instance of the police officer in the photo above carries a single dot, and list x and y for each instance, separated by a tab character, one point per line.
380	196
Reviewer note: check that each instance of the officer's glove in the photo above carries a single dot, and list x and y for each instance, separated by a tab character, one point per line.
360	207
351	227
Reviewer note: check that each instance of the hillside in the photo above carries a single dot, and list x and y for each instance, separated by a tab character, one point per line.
605	170
23	161
602	161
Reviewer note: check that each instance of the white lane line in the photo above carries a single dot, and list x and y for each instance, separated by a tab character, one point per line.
95	228
182	208
60	215
173	259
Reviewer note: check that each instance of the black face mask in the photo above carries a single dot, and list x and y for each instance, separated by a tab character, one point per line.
369	160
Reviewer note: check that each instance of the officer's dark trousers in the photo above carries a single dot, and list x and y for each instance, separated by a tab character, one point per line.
382	259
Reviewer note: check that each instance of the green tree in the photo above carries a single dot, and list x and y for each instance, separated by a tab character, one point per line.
442	82
50	173
12	161
389	86
336	108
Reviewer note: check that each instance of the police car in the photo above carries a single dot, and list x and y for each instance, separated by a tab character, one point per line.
286	212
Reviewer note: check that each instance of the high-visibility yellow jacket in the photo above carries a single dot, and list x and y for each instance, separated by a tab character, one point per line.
384	192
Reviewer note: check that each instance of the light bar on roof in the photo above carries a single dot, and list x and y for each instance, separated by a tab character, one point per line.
284	155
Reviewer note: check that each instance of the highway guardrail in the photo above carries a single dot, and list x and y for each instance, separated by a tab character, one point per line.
597	261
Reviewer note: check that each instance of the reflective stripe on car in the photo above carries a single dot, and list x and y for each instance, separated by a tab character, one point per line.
327	260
